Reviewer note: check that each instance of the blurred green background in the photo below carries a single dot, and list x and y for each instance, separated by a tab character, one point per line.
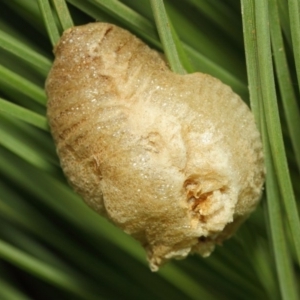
52	246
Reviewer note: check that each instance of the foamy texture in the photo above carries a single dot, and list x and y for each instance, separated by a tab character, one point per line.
175	161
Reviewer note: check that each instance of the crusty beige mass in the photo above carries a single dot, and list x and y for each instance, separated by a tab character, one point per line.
174	160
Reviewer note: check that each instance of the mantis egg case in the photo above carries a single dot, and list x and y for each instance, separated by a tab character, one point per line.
174	160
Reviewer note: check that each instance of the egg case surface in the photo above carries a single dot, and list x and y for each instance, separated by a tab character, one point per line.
174	160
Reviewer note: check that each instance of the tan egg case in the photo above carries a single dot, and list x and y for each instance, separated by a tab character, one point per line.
174	160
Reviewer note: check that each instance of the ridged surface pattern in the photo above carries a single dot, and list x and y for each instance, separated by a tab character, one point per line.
176	161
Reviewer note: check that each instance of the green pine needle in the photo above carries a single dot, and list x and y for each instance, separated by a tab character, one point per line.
48	235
